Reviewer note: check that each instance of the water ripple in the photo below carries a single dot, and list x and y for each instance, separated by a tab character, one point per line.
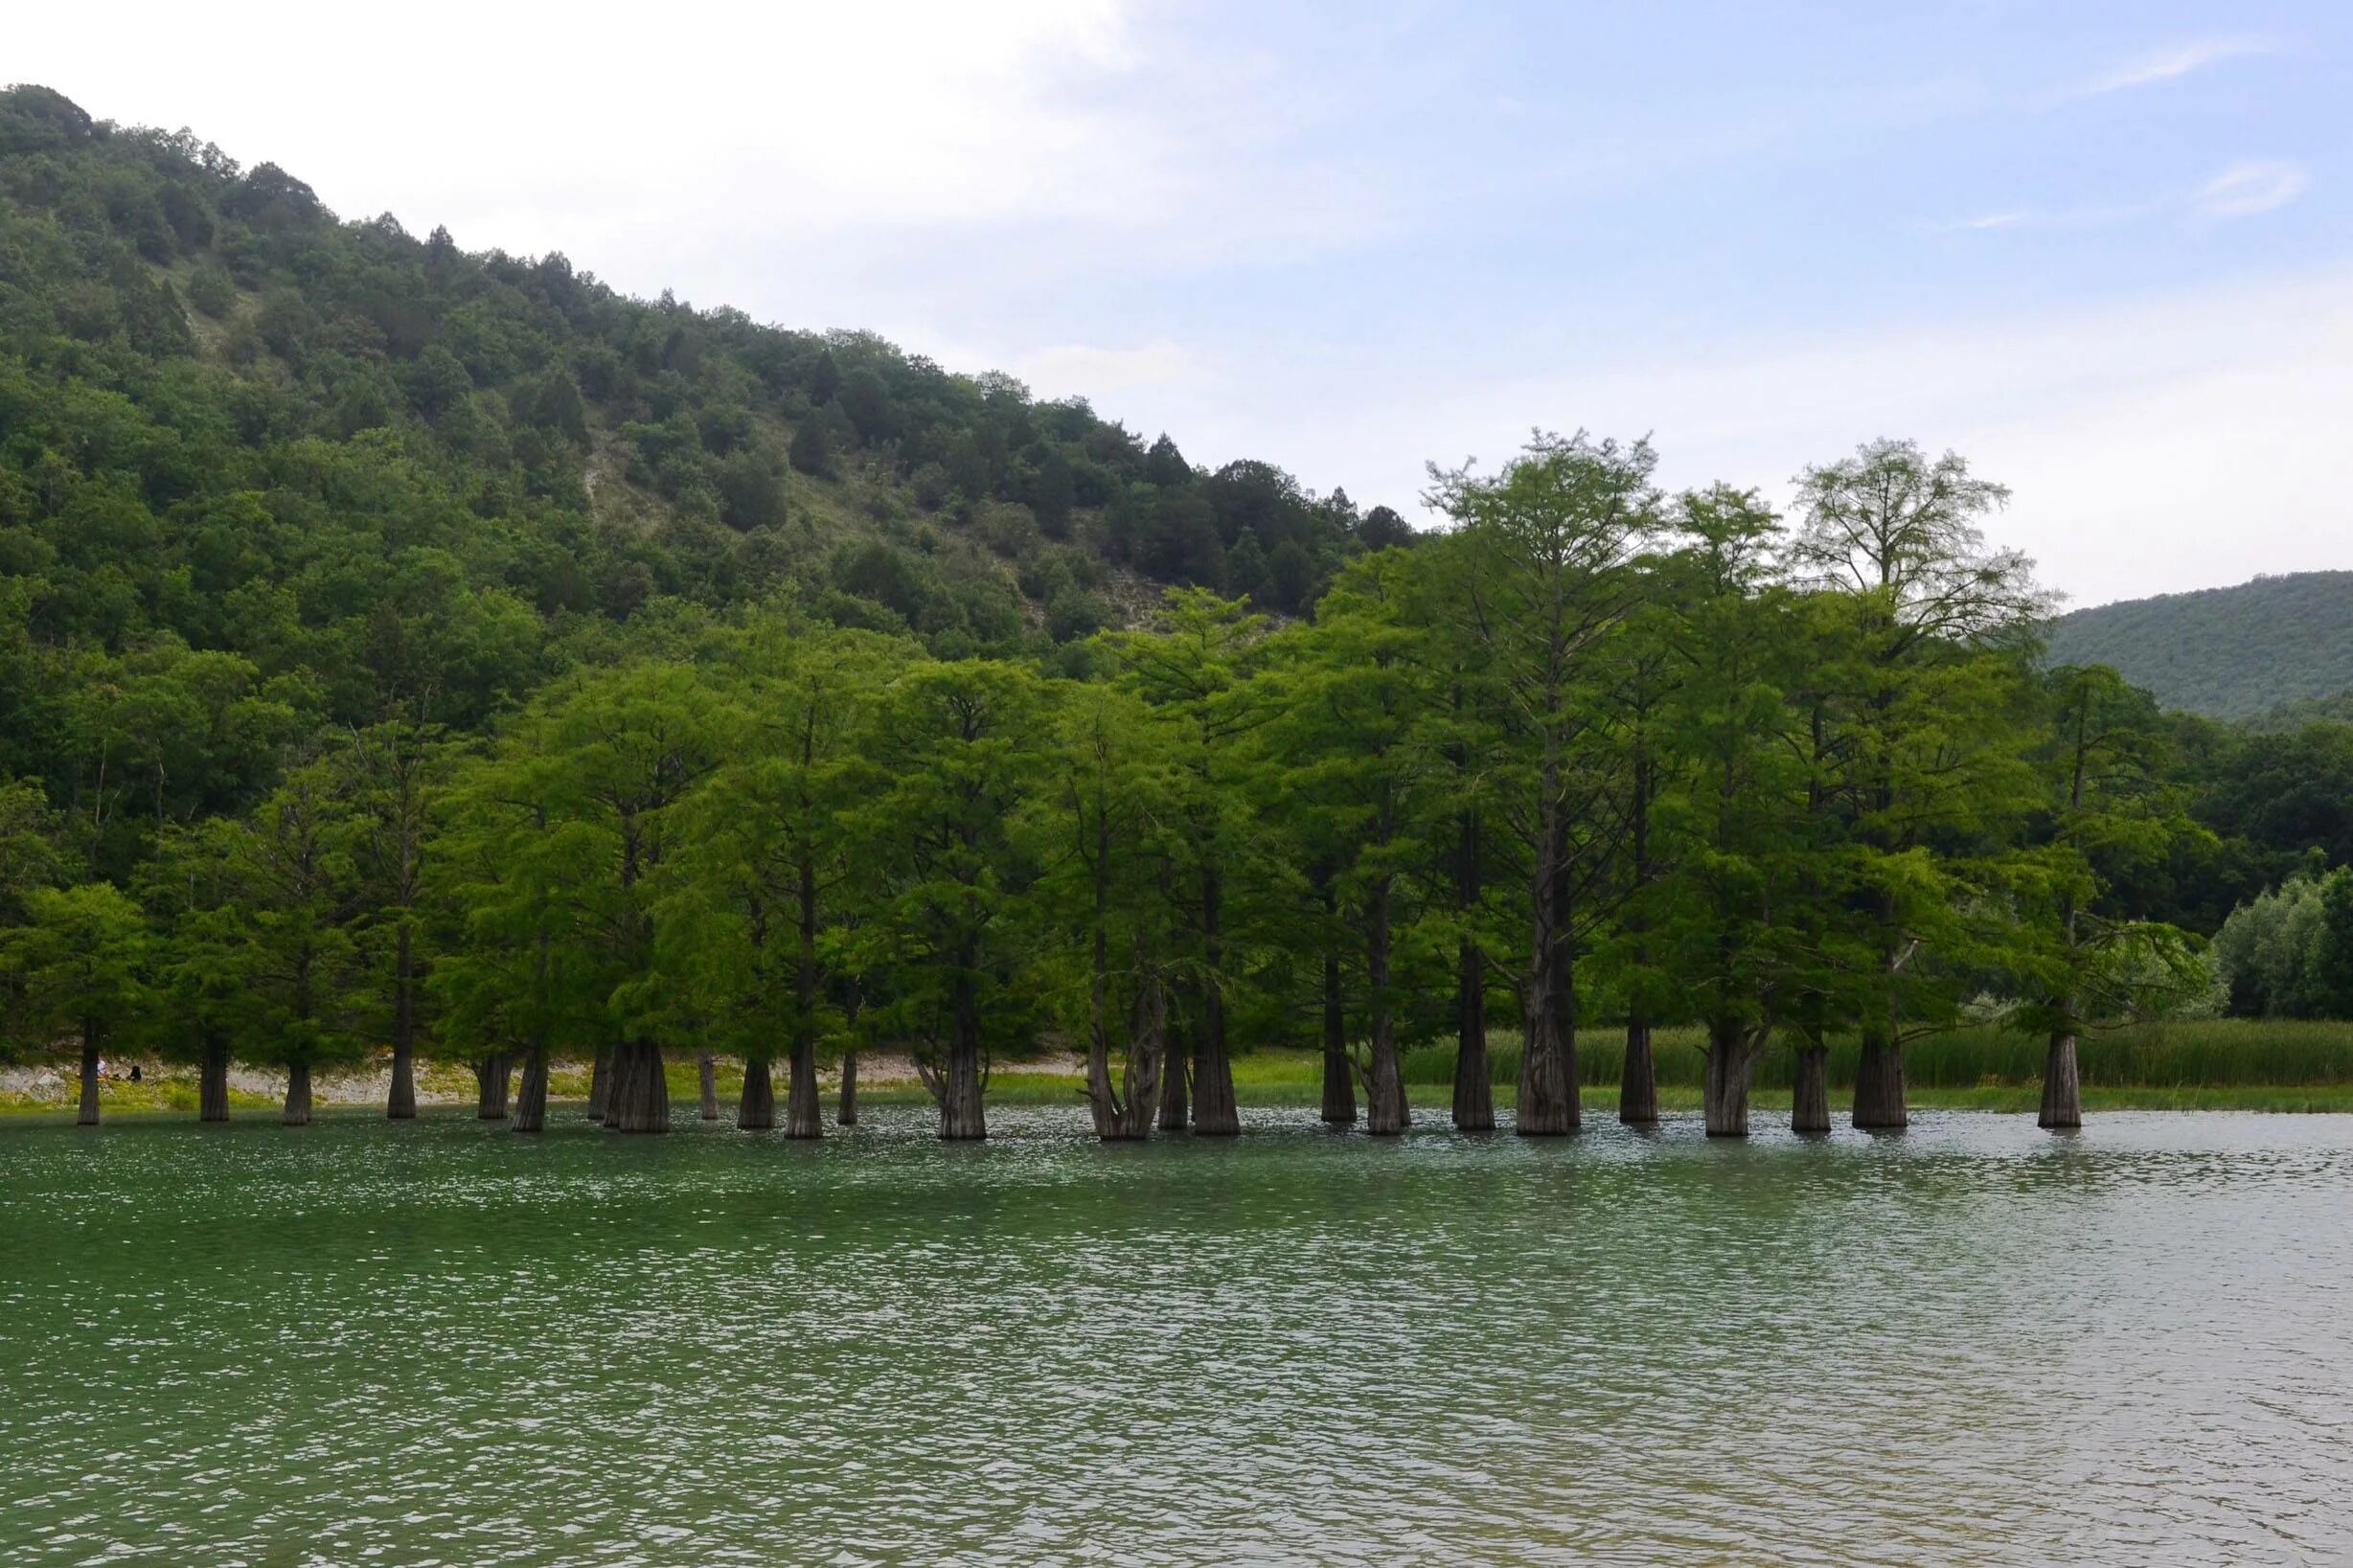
439	1344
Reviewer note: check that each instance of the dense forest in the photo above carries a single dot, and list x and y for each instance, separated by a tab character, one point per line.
413	651
2277	650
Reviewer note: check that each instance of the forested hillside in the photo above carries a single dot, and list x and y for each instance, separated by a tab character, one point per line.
2225	653
261	467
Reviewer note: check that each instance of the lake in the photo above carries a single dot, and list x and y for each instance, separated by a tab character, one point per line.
443	1343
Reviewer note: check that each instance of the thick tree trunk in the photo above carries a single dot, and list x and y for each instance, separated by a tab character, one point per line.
400	1104
2063	1093
1215	1113
601	1082
852	999
1548	1094
957	1089
1809	1104
1639	1075
87	1114
956	1085
1549	1097
1176	1080
1564	994
1544	1107
531	1103
298	1095
1340	1079
804	1118
1387	1114
756	1106
491	1075
1385	1111
1124	1114
213	1081
1879	1086
706	1071
641	1090
1638	1084
1103	1105
1474	1094
1725	1095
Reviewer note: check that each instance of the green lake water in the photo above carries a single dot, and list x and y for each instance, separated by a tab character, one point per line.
443	1343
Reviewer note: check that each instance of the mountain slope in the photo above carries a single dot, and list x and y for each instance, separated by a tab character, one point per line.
150	285
2225	653
264	470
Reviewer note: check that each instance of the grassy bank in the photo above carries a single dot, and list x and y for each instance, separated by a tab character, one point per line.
2217	1054
2223	1064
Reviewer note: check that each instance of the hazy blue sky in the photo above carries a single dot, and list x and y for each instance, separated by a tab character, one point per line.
2103	249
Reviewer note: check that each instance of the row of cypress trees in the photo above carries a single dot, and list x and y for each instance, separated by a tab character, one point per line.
1592	752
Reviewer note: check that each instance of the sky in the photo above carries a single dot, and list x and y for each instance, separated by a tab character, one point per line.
2103	250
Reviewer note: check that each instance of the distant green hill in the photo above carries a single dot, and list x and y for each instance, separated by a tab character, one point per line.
2296	713
2226	653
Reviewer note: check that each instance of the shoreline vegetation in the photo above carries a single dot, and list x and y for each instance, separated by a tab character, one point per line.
2220	1065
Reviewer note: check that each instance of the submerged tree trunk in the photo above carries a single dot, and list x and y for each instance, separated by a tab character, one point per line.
1639	1075
400	1104
491	1073
2063	1093
1474	1094
531	1105
1385	1111
601	1082
1125	1113
756	1106
1879	1086
1730	1065
1809	1104
1638	1084
641	1090
87	1114
706	1071
213	1081
1177	1079
1387	1114
1548	1092
1215	1113
855	997
1544	1107
1340	1079
1564	994
956	1087
298	1095
955	1083
804	1118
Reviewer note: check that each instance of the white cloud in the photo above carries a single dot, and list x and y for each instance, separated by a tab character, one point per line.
2170	64
2244	190
2157	444
1085	370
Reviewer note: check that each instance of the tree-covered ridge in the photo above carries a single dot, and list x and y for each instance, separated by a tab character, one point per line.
2225	653
259	467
